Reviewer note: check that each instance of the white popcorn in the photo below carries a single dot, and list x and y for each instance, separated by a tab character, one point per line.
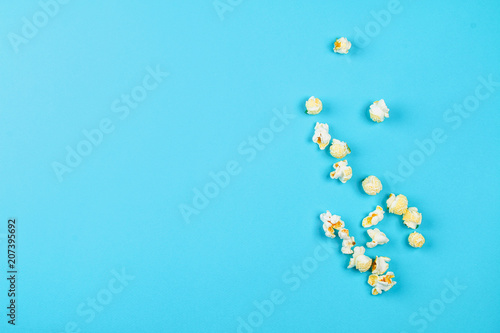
339	149
412	218
371	185
330	223
321	135
373	218
381	283
378	238
397	204
416	239
380	265
379	111
342	45
347	242
313	105
342	171
359	260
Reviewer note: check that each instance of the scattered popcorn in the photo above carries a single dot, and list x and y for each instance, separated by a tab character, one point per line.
373	218
342	171
377	236
334	220
397	204
313	105
380	265
321	135
371	184
379	111
412	218
381	283
347	242
416	240
359	260
339	149
342	45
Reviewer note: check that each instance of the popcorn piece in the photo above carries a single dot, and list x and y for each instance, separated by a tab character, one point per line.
342	45
380	265
339	149
378	238
359	260
330	223
313	105
379	111
329	230
416	240
381	283
371	184
412	218
342	171
321	135
397	204
347	242
373	218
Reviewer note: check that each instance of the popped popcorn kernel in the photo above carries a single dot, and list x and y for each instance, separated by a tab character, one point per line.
379	111
371	185
380	265
347	242
381	283
416	239
378	238
342	171
373	218
412	218
360	260
330	223
339	149
321	135
313	105
341	45
397	204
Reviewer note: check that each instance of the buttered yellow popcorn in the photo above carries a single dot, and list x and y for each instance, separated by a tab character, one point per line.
412	218
321	135
342	172
416	239
341	45
378	238
380	265
397	204
381	283
313	105
373	218
347	242
360	260
379	111
339	149
371	185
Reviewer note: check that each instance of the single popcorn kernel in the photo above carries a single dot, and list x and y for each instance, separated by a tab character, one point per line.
380	265
313	105
321	135
378	238
371	185
416	240
339	149
347	242
412	218
341	45
359	260
330	223
381	283
342	171
373	218
379	111
397	204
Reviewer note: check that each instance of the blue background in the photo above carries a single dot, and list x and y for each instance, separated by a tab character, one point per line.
120	208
